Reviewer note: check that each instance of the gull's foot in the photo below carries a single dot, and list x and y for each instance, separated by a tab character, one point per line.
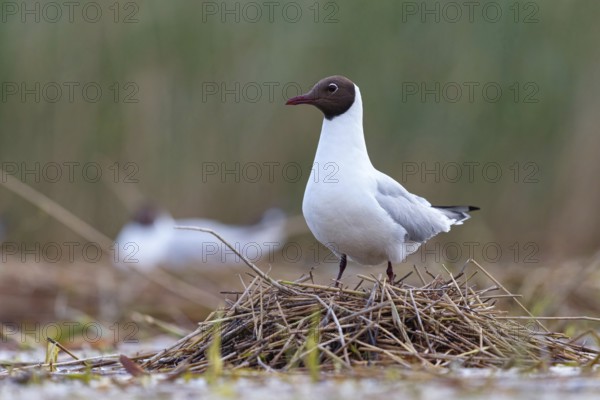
390	273
343	262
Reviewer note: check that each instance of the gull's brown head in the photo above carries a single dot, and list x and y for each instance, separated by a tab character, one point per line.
145	215
333	96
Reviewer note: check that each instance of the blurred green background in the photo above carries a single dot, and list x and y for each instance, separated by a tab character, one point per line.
159	119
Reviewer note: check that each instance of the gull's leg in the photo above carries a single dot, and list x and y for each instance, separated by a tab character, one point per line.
390	273
342	268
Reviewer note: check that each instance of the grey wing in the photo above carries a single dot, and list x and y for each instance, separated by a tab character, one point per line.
414	213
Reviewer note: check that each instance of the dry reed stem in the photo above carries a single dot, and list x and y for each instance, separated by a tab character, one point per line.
443	322
88	232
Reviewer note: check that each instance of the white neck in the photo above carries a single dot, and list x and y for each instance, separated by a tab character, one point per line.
342	138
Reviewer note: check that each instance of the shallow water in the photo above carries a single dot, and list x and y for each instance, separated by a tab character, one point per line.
551	386
556	383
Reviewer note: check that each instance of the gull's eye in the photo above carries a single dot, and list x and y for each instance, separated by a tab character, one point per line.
332	88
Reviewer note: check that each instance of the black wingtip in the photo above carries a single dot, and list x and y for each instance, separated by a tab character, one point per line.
458	208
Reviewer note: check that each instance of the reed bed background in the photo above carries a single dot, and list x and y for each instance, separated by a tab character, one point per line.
544	149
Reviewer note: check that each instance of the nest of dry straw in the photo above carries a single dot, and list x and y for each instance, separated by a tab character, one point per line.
286	325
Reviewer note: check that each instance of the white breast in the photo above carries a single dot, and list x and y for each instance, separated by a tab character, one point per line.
338	205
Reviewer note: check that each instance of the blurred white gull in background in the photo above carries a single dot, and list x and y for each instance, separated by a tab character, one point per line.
144	241
150	240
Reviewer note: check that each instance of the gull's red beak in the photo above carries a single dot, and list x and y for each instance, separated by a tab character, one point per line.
302	99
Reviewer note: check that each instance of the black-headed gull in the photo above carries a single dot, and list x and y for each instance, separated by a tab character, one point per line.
359	212
252	241
150	240
144	241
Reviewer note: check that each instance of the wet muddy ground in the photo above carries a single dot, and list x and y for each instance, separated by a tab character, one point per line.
377	383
